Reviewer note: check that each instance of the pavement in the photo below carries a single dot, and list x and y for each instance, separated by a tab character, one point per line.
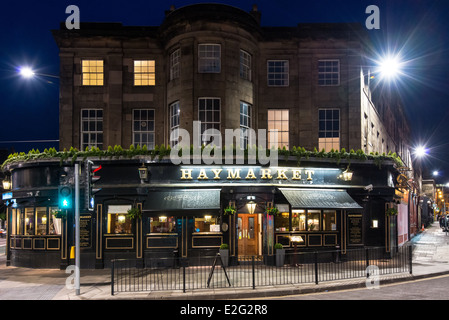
430	259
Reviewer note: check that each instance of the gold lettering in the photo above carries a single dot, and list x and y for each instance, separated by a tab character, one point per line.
266	173
186	174
217	173
281	175
234	174
296	174
250	175
309	174
202	175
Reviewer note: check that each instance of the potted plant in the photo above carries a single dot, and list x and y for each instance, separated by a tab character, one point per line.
273	211
134	213
280	254
224	254
58	214
229	210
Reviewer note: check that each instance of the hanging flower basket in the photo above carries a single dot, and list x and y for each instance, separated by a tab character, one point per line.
273	211
392	212
134	213
229	211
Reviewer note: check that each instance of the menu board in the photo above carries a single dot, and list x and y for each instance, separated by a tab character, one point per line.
355	229
85	231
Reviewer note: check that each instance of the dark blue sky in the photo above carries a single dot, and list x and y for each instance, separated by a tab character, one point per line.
419	29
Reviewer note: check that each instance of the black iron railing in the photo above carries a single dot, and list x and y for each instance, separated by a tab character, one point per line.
161	274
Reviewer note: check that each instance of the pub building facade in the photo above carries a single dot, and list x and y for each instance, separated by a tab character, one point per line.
138	86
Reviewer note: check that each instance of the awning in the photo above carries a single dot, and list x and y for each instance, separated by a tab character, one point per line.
319	199
180	199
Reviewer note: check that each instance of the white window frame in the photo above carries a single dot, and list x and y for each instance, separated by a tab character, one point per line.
329	143
91	133
245	65
209	124
328	74
174	121
273	125
207	61
285	74
175	64
142	132
245	141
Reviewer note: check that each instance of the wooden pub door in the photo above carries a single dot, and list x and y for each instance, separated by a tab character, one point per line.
248	234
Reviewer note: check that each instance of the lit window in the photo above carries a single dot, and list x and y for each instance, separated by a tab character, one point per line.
41	221
175	59
282	222
206	224
118	222
313	220
162	224
278	73
92	72
209	58
91	128
55	225
329	129
29	221
329	220
299	220
144	73
174	123
245	65
245	124
328	72
278	120
143	128
209	115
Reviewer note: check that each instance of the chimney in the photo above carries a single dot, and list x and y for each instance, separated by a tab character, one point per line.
256	13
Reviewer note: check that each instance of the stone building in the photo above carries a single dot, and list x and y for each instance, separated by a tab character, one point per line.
216	64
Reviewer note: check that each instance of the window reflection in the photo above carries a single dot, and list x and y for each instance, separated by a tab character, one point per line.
162	224
299	220
206	224
119	223
281	222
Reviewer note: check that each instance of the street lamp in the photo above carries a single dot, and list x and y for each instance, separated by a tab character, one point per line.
389	66
28	72
421	151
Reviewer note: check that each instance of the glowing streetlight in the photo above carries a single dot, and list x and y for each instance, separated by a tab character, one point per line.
26	72
421	151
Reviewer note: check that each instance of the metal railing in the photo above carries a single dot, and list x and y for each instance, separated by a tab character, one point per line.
161	274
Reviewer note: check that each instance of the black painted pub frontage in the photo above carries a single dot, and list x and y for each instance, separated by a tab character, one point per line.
183	210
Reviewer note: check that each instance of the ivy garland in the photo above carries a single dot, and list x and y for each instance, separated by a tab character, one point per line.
163	151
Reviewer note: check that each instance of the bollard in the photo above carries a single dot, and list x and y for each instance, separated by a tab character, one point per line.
112	277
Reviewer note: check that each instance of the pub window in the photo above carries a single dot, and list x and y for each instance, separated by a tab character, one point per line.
278	120
143	128
328	72
329	129
144	73
91	128
162	224
313	220
15	213
282	222
55	225
329	220
174	123
209	58
277	73
299	220
209	115
92	72
175	59
245	124
29	221
206	223
41	221
118	222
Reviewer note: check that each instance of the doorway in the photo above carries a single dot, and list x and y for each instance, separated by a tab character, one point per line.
248	234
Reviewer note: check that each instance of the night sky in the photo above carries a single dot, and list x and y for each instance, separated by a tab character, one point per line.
417	29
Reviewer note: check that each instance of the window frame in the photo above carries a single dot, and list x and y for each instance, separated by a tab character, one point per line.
286	78
324	140
328	75
245	65
96	119
245	141
281	142
151	75
175	64
142	132
99	81
204	67
209	124
174	121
